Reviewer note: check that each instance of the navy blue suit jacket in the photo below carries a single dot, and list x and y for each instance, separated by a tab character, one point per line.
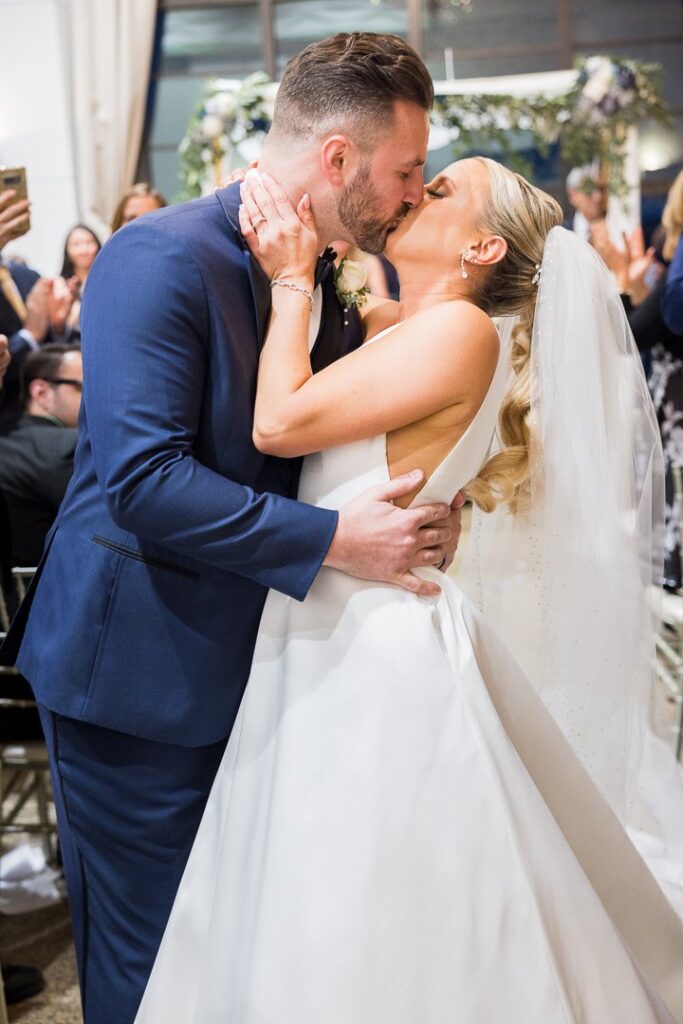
672	298
144	613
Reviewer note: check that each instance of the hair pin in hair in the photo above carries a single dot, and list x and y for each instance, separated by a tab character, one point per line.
537	276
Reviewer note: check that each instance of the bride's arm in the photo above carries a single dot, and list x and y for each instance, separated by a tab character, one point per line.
443	356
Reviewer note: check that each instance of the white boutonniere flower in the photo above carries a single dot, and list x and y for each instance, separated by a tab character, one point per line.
350	282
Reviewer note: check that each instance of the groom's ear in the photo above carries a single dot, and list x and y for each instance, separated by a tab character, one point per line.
490	250
338	160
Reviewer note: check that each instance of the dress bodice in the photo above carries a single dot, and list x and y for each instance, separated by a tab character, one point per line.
334	477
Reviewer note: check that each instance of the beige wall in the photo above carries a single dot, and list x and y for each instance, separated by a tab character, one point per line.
35	128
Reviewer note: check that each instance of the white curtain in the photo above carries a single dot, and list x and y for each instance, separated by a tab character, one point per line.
111	56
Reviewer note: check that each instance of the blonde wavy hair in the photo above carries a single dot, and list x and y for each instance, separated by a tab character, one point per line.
672	218
522	215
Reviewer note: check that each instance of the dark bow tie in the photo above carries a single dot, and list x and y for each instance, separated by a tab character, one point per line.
324	265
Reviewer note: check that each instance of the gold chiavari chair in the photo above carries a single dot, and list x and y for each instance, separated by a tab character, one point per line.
669	639
24	766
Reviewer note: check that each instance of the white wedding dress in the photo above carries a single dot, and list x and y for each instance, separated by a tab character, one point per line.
399	833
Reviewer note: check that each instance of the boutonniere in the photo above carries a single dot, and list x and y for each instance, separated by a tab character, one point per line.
350	283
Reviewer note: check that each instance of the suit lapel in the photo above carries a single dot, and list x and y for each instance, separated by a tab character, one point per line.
335	338
229	198
327	347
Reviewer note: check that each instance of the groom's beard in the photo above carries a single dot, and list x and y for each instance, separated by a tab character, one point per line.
359	211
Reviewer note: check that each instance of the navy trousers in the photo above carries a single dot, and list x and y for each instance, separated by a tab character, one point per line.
128	810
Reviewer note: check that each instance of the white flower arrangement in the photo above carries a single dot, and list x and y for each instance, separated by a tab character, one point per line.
230	113
608	86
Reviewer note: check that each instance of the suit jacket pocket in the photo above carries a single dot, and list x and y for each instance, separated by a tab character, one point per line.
151	560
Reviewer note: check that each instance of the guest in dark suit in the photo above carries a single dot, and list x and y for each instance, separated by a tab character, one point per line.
16	724
138	632
36	458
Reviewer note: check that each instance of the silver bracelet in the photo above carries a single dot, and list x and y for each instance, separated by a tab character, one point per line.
293	287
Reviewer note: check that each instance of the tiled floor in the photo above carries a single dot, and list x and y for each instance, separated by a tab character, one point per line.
43	939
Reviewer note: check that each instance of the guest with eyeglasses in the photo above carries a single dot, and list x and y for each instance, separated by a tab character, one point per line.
36	458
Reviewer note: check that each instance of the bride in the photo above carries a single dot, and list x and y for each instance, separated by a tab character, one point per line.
399	832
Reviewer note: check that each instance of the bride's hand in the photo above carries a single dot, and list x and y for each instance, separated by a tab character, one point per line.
282	239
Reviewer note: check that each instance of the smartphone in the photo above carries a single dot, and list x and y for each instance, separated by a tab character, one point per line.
14	178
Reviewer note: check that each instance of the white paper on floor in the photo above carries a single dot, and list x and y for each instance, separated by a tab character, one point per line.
26	882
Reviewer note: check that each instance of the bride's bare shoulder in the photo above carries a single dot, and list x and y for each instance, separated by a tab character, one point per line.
458	341
459	320
456	328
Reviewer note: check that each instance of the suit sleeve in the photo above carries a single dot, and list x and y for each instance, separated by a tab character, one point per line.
672	298
144	327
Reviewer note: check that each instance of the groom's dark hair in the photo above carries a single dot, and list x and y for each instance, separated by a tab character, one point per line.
350	81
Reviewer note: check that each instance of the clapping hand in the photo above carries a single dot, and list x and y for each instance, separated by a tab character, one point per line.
5	356
640	261
60	299
630	265
283	239
37	313
615	258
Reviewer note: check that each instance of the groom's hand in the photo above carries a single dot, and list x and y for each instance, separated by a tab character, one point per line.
376	540
454	524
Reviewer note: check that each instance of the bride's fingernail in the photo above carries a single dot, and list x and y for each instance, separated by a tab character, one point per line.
307	201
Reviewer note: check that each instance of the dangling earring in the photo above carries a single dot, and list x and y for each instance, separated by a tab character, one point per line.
463	255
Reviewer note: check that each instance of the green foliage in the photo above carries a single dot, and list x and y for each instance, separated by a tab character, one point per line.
226	115
589	122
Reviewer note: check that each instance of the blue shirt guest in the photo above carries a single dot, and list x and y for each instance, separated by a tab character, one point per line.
672	299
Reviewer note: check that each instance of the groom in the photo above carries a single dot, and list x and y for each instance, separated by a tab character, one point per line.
138	633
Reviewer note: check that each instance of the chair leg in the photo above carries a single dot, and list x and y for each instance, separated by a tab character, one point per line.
43	813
